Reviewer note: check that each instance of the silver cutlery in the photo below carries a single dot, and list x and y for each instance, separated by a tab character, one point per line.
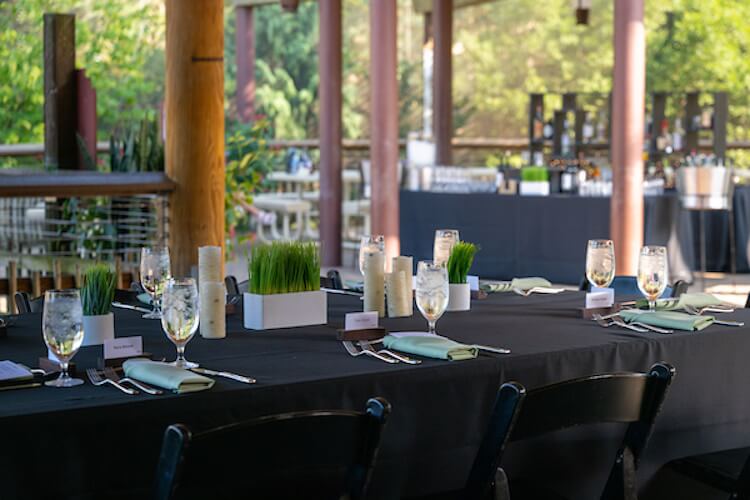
132	308
97	380
229	375
538	289
353	351
111	374
621	322
365	344
496	350
696	312
700	310
606	324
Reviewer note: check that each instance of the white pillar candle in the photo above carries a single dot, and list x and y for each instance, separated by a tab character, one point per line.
213	300
406	265
374	299
209	264
397	300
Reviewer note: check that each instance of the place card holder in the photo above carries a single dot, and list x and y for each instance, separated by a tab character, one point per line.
365	334
589	313
479	295
50	366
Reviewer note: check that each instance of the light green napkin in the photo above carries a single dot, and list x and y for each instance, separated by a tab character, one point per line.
430	346
668	319
516	284
697	300
166	376
145	298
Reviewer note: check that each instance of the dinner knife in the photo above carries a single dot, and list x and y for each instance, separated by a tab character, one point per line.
233	376
128	306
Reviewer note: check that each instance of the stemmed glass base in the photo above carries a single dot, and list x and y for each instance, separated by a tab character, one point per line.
64	380
155	314
184	363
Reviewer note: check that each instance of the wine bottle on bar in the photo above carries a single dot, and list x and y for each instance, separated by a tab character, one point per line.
588	129
677	135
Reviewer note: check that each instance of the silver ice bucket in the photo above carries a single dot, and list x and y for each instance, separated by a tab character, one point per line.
705	188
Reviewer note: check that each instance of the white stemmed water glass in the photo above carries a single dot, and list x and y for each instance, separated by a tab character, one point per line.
652	273
155	272
370	244
600	263
445	240
180	316
432	291
62	327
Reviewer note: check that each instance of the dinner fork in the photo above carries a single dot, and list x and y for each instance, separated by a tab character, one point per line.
353	351
365	344
697	312
621	322
607	324
112	375
97	380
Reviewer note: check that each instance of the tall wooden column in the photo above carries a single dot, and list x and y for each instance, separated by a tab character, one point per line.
384	124
442	115
195	128
245	36
626	219
329	54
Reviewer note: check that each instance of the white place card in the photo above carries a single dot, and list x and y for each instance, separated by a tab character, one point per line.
361	321
602	298
123	347
473	282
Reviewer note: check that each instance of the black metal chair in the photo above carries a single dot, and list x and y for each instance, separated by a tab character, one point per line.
632	398
313	454
628	285
26	305
727	471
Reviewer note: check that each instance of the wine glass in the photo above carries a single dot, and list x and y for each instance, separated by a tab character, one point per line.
370	244
652	273
432	291
155	272
62	327
600	263
180	316
445	240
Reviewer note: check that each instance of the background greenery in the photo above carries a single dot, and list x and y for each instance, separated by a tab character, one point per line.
503	50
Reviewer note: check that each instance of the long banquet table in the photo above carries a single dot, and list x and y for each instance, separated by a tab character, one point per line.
95	442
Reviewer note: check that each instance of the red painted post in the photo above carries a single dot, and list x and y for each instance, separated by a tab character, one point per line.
245	37
329	56
442	104
384	124
626	219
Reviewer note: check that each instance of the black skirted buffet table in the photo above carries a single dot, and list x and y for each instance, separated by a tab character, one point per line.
95	442
547	235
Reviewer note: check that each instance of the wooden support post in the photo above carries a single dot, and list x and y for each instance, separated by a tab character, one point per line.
536	130
118	273
245	39
57	274
558	127
692	122
12	286
60	145
626	212
78	276
329	54
384	124
442	114
195	128
36	284
86	118
721	116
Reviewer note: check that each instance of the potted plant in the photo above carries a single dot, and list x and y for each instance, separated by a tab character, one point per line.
534	181
284	287
97	294
459	263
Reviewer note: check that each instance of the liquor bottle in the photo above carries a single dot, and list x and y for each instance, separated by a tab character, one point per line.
565	141
601	128
677	135
548	130
588	130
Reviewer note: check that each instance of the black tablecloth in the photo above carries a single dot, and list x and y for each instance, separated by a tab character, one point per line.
59	443
546	236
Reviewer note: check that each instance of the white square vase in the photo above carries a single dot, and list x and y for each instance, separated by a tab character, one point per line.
285	310
459	297
534	188
97	329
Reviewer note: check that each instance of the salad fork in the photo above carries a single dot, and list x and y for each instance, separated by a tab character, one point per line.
367	345
606	324
97	380
112	375
353	351
697	312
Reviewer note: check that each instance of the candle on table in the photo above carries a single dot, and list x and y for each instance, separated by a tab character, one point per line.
374	299
213	300
406	265
397	298
209	264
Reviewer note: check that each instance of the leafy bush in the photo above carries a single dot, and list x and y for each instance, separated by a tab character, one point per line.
284	267
98	290
460	261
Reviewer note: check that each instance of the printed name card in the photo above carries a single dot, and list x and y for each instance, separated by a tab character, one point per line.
473	282
123	347
361	321
602	297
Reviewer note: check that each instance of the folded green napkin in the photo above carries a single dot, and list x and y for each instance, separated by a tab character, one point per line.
668	319
166	376
516	284
697	300
430	346
145	298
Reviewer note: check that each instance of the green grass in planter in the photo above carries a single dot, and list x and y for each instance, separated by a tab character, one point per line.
284	267
460	261
534	174
98	290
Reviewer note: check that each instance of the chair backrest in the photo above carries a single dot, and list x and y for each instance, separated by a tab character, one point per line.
315	454
632	398
628	285
26	305
230	282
